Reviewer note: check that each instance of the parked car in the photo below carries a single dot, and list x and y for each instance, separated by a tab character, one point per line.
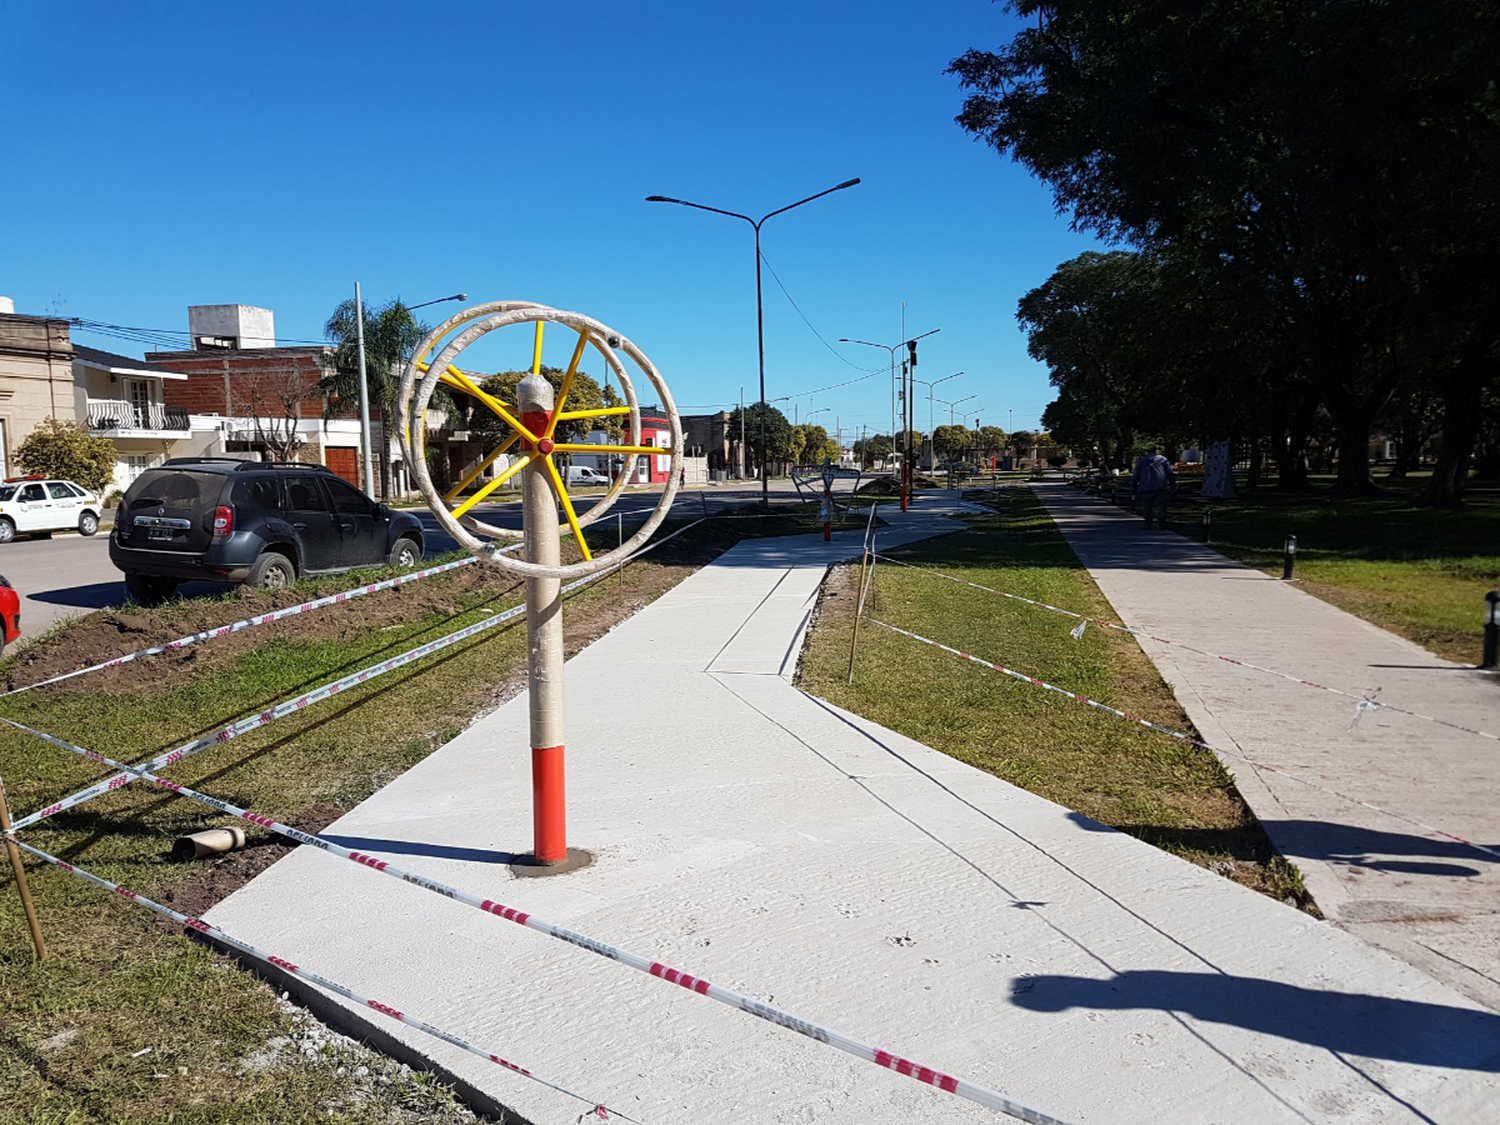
262	523
584	475
10	614
40	505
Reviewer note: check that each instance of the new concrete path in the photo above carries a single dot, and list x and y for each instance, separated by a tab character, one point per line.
1429	899
753	836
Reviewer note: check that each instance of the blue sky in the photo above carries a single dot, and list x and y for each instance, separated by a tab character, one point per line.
168	154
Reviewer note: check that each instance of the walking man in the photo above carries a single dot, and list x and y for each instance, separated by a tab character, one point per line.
1151	483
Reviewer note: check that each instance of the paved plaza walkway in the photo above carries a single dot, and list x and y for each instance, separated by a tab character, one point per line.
1423	896
749	834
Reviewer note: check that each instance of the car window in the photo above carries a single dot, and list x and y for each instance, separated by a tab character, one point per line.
6	492
74	489
304	495
32	494
176	488
59	490
348	500
257	492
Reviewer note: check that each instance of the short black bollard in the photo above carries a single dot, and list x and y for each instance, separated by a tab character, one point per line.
1491	630
1289	557
1208	523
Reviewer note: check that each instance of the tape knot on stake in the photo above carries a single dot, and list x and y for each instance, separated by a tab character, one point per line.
1077	631
1363	707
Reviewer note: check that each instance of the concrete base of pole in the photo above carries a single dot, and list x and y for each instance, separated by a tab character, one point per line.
577	859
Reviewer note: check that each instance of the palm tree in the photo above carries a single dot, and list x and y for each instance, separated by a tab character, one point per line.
392	333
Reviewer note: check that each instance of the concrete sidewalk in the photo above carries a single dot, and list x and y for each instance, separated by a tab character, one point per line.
752	835
1430	900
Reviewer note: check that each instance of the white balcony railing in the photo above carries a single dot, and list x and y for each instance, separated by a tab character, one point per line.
108	416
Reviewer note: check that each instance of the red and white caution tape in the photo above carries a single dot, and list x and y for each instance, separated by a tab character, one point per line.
251	622
291	706
847	1043
1363	701
1181	737
596	1108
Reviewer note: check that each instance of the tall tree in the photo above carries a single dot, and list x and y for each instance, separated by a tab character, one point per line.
1333	151
391	334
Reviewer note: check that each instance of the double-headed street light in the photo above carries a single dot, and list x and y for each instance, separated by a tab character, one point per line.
760	321
932	454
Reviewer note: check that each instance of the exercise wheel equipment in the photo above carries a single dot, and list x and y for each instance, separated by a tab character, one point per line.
530	428
531	431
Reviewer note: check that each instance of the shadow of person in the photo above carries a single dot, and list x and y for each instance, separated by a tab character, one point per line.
1376	1027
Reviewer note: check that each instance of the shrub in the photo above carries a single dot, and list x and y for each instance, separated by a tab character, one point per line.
66	449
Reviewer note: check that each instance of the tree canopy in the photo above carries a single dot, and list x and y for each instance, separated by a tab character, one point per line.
66	449
1325	169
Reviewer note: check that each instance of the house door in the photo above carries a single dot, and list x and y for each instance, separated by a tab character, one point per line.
140	402
343	460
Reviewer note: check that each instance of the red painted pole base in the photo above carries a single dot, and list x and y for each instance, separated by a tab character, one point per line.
549	805
827	532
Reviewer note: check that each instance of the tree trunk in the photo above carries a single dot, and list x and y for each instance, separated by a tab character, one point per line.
1289	450
1461	413
1252	482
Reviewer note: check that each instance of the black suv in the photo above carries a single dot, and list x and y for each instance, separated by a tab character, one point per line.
259	522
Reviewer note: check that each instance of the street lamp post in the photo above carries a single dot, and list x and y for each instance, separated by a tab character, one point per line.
892	348
760	321
367	448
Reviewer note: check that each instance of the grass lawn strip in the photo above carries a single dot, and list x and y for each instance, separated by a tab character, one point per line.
1171	794
131	1022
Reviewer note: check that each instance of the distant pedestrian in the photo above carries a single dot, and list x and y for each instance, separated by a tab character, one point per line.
682	476
1151	483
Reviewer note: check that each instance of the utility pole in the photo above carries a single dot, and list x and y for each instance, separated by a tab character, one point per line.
364	393
742	433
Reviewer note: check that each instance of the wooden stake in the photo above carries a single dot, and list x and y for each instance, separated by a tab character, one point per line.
859	605
15	862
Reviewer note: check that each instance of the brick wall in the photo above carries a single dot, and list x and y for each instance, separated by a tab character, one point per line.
244	382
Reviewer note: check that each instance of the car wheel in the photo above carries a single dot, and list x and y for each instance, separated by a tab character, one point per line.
7	530
272	572
149	589
406	554
88	523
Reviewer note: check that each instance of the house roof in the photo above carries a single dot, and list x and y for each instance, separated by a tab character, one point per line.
121	364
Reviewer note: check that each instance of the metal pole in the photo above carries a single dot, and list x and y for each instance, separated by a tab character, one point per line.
864	561
364	393
1289	557
544	634
742	433
15	862
760	340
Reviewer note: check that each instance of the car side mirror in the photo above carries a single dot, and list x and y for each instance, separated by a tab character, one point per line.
383	511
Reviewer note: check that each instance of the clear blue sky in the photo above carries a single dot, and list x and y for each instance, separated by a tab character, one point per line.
167	154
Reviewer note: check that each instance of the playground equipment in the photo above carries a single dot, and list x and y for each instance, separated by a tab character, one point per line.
533	422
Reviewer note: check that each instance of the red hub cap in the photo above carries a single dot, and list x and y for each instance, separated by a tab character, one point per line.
545	446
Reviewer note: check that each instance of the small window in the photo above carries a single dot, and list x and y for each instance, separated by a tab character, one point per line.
33	494
75	490
304	495
348	500
59	490
258	493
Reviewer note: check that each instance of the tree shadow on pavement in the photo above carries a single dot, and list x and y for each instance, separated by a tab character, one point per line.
1376	1027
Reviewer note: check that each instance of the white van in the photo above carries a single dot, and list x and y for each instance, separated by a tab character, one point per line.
582	475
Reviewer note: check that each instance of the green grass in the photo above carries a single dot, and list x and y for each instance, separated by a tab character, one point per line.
1173	795
1420	572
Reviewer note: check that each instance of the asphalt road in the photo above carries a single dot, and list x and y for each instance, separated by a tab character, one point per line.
68	575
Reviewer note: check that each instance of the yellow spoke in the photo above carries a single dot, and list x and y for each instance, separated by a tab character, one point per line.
567	383
494	484
473	473
602	412
562	494
453	377
571	447
536	350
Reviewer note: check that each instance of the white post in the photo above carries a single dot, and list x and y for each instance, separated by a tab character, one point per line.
544	635
364	394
